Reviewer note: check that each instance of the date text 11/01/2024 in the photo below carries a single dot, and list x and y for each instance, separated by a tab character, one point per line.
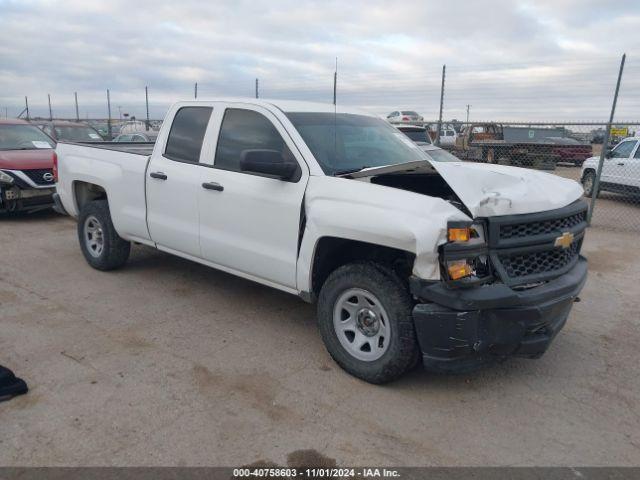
316	473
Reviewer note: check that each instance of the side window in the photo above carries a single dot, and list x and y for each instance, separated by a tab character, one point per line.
187	134
624	149
637	155
246	130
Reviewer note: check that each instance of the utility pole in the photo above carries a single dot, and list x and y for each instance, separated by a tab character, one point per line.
109	131
120	112
596	183
468	106
26	106
50	112
146	98
195	91
335	83
444	71
257	88
75	94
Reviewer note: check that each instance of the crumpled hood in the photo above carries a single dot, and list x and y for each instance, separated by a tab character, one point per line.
491	190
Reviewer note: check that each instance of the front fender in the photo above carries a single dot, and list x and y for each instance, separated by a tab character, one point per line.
386	216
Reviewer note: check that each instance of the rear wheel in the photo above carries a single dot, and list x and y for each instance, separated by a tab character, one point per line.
101	245
364	317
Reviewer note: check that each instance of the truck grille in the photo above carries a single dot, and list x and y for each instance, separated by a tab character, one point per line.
520	230
523	248
37	175
523	265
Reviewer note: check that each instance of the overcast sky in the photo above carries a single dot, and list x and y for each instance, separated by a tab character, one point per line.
511	60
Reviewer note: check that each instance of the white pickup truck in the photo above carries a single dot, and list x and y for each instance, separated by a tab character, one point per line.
620	170
409	253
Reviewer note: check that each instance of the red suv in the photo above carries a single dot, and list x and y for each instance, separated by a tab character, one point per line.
27	178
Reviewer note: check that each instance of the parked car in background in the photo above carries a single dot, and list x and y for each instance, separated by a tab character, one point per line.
410	253
620	170
137	137
103	129
404	116
133	126
69	131
26	167
570	150
417	134
448	137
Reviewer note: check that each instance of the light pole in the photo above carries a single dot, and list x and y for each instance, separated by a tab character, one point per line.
120	112
468	106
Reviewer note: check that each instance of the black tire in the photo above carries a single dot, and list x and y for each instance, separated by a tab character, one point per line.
115	251
588	181
402	349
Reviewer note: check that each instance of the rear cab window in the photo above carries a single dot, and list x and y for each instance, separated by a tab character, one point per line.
187	134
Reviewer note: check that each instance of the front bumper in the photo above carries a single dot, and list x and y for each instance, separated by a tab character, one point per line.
462	327
16	199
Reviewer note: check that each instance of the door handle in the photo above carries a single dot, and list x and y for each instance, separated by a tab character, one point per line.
621	164
158	175
213	186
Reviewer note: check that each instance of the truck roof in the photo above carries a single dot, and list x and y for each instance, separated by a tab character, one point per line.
284	105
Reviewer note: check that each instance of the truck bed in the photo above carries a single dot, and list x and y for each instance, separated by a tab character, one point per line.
137	148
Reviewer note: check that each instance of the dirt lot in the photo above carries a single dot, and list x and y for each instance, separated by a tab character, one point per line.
170	363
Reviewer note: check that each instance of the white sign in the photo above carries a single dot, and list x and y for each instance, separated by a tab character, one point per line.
39	144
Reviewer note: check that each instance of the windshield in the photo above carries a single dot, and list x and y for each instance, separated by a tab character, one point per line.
23	137
343	142
73	133
417	135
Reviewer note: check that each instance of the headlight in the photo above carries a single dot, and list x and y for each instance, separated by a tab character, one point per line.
464	233
5	177
476	267
465	255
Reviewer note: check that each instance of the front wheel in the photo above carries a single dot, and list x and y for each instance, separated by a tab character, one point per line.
364	317
101	245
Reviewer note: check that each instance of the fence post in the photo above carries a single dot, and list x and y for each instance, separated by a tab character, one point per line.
596	183
146	98
444	71
75	94
109	131
50	112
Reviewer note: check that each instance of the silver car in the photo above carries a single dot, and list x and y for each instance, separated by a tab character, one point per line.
404	116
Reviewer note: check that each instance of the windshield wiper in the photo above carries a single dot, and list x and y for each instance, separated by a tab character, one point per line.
350	170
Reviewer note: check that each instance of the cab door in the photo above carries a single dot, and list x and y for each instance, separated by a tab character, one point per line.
616	165
173	182
249	222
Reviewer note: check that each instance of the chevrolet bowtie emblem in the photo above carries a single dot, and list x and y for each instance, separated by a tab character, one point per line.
565	240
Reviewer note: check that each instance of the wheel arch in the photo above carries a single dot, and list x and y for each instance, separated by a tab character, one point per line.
85	192
331	253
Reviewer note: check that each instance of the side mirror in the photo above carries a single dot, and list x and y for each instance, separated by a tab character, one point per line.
267	162
608	153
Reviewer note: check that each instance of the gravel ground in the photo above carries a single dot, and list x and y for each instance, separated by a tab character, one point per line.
167	362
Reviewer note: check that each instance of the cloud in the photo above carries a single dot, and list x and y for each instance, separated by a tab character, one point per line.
509	59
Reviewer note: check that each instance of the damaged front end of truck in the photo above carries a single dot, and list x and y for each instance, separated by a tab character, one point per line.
509	275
